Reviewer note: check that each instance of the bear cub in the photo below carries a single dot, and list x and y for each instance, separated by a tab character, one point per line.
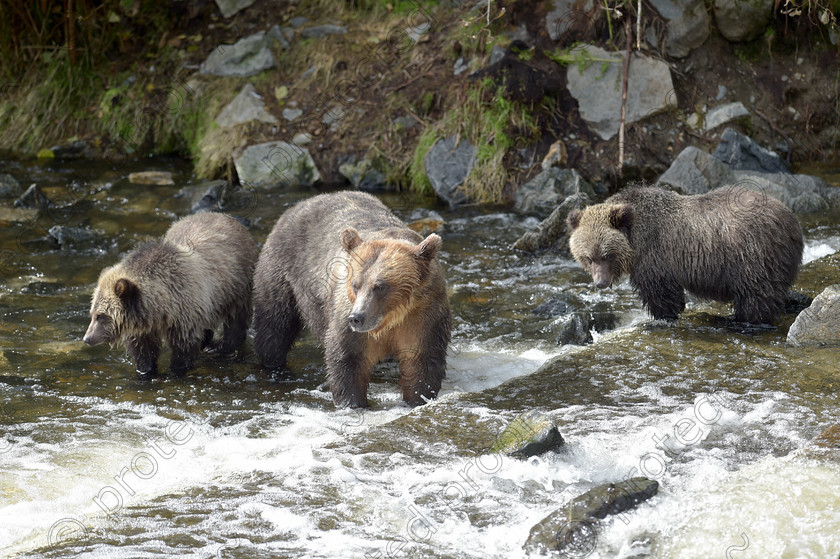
730	245
368	287
178	289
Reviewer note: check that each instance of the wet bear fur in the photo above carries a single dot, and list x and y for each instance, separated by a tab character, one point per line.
730	245
178	290
369	288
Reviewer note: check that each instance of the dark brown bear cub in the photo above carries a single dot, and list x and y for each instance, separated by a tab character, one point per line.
178	289
368	287
730	245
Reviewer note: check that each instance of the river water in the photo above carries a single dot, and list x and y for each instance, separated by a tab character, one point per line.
229	462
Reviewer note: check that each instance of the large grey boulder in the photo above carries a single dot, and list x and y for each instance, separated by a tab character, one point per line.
247	57
696	172
552	230
569	15
688	25
542	194
742	153
597	89
276	163
819	324
245	107
231	7
448	165
742	20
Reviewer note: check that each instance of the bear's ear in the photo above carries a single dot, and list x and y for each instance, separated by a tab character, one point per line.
350	239
125	289
573	219
622	218
428	247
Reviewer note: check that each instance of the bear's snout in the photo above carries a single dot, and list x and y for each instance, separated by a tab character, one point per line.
601	274
356	321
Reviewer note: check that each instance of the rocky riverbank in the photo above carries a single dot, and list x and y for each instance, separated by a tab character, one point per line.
463	98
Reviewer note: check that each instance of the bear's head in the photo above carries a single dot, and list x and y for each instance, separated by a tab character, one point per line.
600	241
384	278
113	299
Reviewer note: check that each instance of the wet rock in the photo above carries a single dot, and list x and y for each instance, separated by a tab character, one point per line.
40	287
829	440
426	226
819	324
696	172
570	17
298	21
71	237
69	151
206	197
738	20
551	232
530	434
723	114
447	166
650	89
9	186
280	36
742	153
245	107
364	176
573	527
160	178
247	57
276	163
33	198
541	195
321	31
572	329
688	25
231	7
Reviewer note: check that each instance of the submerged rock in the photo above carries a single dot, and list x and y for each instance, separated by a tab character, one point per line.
530	434
9	186
274	163
33	198
18	215
541	195
426	226
573	527
447	166
247	57
819	324
160	178
71	237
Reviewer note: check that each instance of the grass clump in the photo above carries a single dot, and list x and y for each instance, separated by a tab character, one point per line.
494	125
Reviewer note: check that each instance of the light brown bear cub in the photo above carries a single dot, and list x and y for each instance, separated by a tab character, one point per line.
368	287
731	244
178	289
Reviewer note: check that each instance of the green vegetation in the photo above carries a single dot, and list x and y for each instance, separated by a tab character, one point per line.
492	123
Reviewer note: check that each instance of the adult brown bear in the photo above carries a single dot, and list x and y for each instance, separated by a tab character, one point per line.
731	244
368	287
178	289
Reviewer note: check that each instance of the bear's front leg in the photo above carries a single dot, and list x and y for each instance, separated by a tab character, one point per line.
184	352
663	297
144	351
423	368
348	370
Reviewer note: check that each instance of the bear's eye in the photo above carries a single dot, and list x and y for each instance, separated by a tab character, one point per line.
587	261
356	284
379	286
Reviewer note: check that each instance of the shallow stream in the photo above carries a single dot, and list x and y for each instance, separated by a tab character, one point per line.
230	462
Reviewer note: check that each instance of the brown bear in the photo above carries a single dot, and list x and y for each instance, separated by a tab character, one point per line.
731	244
369	288
178	289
